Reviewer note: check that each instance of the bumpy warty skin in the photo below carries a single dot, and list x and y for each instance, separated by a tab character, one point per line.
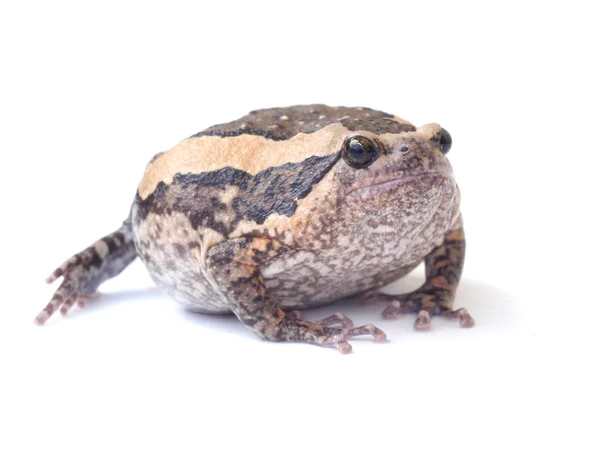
339	231
287	209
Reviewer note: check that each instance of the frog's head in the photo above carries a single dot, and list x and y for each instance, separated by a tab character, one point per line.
405	173
373	161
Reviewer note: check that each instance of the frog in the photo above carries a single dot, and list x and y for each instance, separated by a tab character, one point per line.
286	209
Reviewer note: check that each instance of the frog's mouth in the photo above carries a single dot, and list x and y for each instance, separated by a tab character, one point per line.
396	182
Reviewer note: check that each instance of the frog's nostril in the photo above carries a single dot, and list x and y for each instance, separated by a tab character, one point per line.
405	150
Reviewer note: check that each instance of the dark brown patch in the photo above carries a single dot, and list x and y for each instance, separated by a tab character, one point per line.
279	124
275	190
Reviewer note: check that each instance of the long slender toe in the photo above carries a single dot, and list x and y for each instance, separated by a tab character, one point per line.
337	319
68	304
377	334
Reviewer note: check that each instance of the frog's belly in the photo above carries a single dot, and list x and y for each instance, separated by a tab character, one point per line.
298	280
315	283
306	285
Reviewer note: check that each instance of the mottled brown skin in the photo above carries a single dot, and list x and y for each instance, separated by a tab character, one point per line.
88	269
443	267
237	269
267	215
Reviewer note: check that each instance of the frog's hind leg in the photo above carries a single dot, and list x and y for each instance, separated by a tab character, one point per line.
235	267
85	271
443	267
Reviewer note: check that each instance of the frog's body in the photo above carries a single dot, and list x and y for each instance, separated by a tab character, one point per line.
290	208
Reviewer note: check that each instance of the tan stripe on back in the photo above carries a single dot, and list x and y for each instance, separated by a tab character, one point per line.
246	152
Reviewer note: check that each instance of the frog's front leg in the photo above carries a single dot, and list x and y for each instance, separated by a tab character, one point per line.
443	267
235	265
85	271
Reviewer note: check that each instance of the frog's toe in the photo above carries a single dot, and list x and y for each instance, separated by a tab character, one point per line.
423	321
465	320
64	296
377	334
68	304
64	269
340	340
392	310
425	305
396	307
41	318
337	319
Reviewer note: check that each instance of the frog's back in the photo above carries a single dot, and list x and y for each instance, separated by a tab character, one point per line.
266	139
280	124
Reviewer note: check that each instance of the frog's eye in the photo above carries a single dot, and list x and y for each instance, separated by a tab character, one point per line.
445	141
359	152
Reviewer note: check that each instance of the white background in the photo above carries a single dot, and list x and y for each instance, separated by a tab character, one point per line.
89	93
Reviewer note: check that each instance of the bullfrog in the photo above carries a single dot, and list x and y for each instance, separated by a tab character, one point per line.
287	209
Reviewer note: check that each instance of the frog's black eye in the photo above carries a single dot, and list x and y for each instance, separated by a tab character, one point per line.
445	141
359	152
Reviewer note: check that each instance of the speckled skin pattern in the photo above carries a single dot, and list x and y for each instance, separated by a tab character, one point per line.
270	214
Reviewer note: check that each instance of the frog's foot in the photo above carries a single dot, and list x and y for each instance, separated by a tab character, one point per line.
426	302
68	293
321	332
85	271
